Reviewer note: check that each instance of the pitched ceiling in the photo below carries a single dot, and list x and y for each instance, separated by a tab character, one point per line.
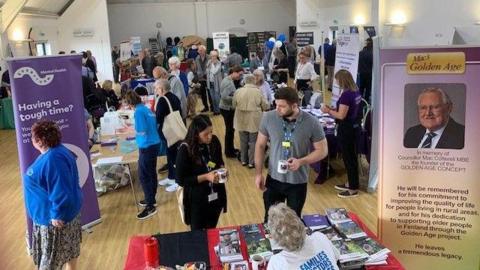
44	7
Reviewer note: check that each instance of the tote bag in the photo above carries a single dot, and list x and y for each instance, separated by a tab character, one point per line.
173	128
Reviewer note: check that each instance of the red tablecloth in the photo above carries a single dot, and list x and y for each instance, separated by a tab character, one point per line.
135	259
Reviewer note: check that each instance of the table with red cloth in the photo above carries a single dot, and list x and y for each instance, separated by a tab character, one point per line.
135	258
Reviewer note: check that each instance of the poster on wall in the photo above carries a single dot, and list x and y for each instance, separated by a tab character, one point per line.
304	39
136	45
125	51
221	43
346	57
39	87
429	163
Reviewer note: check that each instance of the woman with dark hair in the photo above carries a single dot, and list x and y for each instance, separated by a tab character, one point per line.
148	142
198	159
348	107
53	199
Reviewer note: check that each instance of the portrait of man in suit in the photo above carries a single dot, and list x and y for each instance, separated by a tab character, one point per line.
437	129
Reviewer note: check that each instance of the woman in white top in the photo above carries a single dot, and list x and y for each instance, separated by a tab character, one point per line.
299	250
305	72
174	66
214	79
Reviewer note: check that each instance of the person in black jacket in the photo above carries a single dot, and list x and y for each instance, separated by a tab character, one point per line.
365	66
198	159
167	103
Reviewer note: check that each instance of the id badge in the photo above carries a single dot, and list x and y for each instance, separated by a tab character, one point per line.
212	197
286	144
211	165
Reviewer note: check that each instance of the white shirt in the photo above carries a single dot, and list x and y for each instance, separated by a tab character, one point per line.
305	72
435	139
316	253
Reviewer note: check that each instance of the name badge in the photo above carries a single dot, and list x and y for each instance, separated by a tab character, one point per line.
286	144
212	197
211	164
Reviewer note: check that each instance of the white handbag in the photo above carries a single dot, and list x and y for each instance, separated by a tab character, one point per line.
173	128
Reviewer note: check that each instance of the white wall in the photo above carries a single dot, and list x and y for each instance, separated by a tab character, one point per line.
88	14
333	13
42	29
198	18
428	22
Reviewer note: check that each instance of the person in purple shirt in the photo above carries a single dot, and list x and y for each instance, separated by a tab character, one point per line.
348	106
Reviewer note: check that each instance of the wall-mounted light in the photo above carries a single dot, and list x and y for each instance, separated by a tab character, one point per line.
242	21
18	34
359	20
398	18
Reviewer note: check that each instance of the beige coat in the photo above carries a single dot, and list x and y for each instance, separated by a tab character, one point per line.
249	103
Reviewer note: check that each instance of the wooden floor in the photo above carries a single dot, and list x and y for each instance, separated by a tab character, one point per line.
106	246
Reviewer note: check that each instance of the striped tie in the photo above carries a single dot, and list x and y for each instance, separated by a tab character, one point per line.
428	142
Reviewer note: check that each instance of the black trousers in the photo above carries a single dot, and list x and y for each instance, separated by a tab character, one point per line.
205	217
147	172
294	194
205	96
292	61
366	85
171	159
229	131
347	137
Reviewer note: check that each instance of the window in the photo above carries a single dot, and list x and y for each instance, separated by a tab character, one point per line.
44	48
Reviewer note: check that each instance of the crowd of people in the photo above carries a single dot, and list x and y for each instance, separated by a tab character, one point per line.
269	121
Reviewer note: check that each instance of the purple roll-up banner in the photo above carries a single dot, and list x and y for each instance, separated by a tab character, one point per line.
51	88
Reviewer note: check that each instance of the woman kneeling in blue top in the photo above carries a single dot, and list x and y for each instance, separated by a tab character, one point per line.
53	200
148	142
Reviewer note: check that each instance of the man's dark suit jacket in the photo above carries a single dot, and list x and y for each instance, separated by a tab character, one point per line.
453	137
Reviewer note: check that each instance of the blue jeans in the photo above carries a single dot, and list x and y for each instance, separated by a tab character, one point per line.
215	98
147	172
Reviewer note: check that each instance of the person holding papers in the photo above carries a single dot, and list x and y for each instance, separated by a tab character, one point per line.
148	142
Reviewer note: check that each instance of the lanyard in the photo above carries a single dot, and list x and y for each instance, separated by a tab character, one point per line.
208	161
288	134
287	139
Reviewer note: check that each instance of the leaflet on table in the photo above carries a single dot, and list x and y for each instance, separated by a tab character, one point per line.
229	247
349	251
109	160
316	222
376	251
337	215
350	230
257	244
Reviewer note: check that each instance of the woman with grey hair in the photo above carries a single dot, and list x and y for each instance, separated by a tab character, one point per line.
263	85
162	89
300	251
214	79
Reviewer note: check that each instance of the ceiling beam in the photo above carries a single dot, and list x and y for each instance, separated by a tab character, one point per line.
10	10
65	7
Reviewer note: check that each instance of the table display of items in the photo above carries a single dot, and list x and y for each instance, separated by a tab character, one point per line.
353	246
250	246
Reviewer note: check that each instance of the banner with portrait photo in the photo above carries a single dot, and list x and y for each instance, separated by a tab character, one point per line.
429	158
51	88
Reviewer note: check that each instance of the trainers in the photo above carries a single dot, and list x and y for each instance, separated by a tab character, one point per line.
348	194
341	187
147	212
166	182
143	203
251	166
172	188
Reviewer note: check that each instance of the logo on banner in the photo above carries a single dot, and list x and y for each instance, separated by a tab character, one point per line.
28	71
82	161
